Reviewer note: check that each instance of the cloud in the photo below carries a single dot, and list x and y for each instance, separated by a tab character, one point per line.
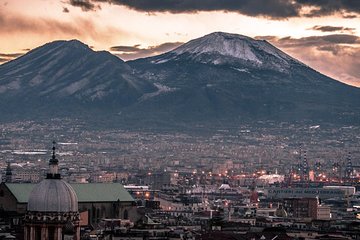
4	60
12	24
267	8
5	57
275	9
334	49
312	41
328	7
131	49
134	52
332	29
16	23
335	55
350	16
11	55
85	5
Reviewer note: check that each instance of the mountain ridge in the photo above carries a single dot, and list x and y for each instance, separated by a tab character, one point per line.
220	48
218	77
281	88
69	69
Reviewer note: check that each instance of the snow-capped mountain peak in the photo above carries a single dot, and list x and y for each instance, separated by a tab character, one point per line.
232	45
234	49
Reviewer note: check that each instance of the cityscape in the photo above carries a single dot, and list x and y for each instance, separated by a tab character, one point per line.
180	120
247	182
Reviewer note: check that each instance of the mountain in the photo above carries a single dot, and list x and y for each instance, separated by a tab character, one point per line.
219	78
231	77
68	76
230	49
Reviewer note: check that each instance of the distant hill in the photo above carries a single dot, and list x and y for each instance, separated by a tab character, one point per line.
67	78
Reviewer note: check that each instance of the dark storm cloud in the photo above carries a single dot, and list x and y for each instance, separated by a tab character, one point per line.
85	5
332	28
275	9
327	7
267	8
134	52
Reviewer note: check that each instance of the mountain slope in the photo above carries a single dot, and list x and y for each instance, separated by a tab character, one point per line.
221	77
224	48
233	77
69	74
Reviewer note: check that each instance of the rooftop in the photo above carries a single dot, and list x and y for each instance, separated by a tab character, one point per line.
86	192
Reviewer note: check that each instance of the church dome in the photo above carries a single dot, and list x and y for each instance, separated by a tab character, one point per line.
53	195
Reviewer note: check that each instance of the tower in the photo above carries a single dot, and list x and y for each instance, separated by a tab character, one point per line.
305	168
349	167
52	208
53	166
300	159
8	173
303	165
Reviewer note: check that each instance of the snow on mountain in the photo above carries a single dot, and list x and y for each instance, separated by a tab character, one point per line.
220	77
226	48
71	69
161	90
226	44
230	76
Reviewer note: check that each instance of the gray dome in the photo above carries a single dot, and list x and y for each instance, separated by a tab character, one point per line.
53	195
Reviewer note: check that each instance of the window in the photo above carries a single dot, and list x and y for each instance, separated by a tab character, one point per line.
98	214
38	233
126	214
51	233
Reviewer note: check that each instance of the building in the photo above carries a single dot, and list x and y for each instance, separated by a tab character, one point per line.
301	207
307	208
348	190
157	180
98	199
322	193
52	208
26	176
323	212
8	174
95	201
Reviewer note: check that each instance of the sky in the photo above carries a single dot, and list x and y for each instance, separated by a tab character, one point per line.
324	34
